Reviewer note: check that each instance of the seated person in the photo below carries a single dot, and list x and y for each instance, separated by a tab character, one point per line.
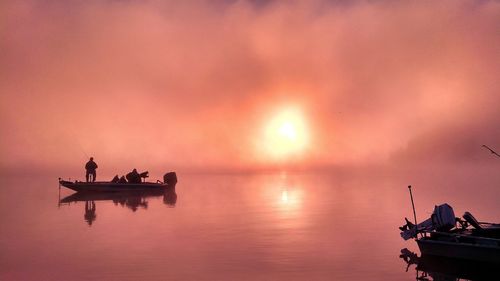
122	180
115	179
133	177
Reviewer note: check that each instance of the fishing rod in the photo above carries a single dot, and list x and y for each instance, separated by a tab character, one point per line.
77	140
491	150
81	148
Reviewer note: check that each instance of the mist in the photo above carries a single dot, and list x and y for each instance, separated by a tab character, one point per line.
191	84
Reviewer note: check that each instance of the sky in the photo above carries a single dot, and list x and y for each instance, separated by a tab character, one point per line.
248	84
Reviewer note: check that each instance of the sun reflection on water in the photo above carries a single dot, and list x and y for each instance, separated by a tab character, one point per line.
284	196
290	199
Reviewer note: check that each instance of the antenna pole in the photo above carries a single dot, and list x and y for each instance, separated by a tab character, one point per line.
59	199
413	206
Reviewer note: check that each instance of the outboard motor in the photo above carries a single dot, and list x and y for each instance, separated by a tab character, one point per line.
442	219
170	178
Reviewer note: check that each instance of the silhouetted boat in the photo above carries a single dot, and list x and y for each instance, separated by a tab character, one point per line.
105	196
447	236
460	245
169	180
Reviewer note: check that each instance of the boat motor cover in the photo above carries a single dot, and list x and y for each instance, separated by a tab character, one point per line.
170	178
443	218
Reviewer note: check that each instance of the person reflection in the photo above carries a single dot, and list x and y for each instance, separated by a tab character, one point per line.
170	197
132	202
90	215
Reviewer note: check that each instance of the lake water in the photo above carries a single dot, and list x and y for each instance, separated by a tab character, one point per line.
274	226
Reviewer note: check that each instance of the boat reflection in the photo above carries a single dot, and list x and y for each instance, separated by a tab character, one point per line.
133	200
441	268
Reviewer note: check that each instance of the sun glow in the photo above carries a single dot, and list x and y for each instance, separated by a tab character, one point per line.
287	130
285	134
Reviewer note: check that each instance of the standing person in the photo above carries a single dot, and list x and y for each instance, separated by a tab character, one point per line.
90	168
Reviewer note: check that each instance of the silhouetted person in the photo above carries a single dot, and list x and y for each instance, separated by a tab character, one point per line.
133	177
115	179
90	167
90	214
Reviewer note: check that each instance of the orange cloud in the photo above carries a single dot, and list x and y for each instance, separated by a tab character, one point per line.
189	84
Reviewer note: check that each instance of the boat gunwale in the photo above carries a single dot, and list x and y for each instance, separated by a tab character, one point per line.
82	183
433	241
113	187
458	235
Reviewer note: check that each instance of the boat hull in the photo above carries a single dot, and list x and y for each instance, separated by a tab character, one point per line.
485	253
118	195
455	269
112	187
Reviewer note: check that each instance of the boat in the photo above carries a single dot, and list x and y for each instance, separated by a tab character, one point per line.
169	179
460	246
123	197
445	235
113	196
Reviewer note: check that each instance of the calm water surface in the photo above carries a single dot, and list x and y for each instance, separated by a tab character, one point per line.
283	226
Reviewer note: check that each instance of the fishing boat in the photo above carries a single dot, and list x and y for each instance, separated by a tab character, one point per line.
445	235
131	199
118	195
169	179
460	246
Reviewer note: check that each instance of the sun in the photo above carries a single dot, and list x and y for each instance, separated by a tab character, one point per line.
287	130
285	134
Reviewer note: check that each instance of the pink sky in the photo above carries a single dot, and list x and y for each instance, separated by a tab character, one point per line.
195	83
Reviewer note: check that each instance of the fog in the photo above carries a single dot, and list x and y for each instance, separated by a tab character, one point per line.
192	84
